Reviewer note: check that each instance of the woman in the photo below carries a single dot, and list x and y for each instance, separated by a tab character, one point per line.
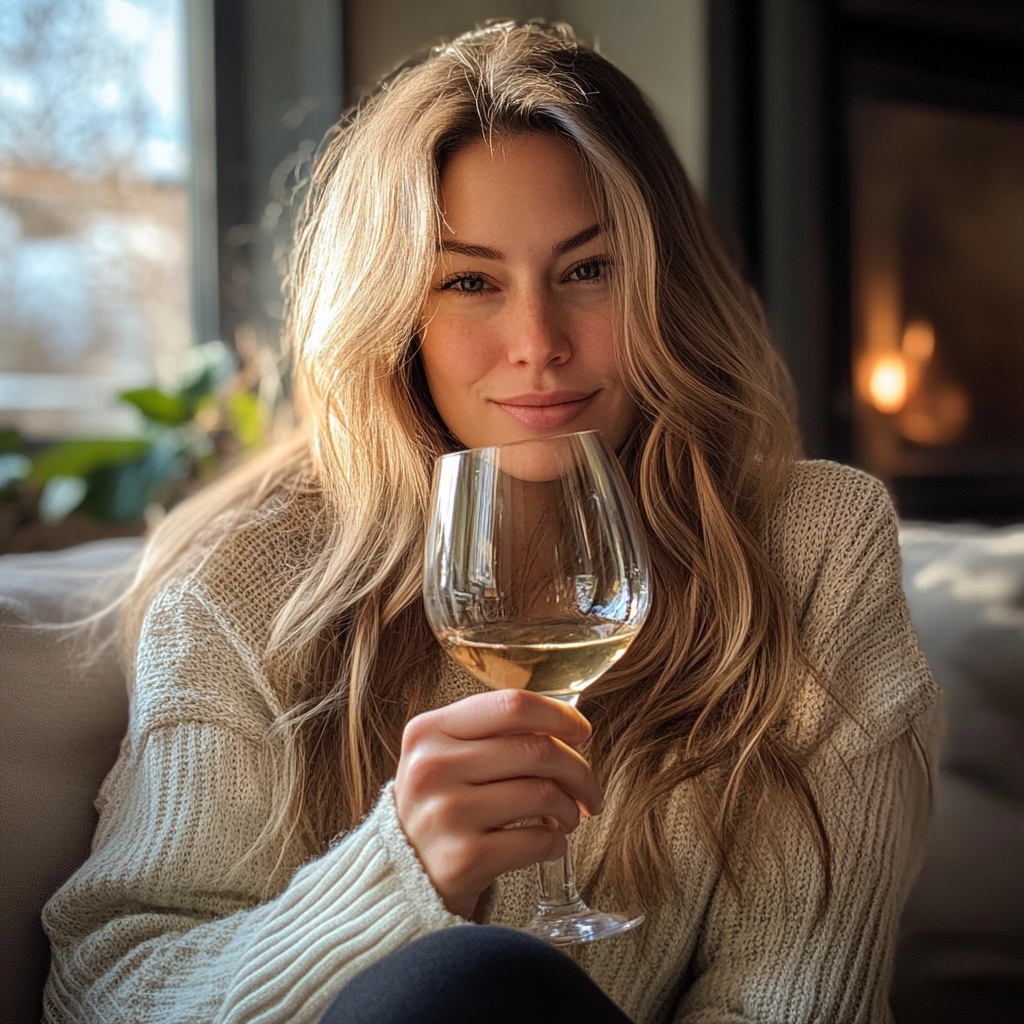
501	244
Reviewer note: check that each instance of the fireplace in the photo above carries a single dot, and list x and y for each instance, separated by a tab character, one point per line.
937	291
867	161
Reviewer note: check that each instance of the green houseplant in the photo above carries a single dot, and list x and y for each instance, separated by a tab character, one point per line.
188	434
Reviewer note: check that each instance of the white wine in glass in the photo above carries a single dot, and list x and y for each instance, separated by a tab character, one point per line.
559	659
536	578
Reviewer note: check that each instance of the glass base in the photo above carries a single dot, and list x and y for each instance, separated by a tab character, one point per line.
571	926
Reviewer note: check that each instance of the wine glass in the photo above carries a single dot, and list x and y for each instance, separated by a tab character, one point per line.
536	577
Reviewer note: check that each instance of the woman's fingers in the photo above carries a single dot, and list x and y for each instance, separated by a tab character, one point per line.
541	732
433	760
480	762
506	712
482	809
469	770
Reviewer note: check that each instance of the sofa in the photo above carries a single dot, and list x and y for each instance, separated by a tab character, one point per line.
961	950
961	953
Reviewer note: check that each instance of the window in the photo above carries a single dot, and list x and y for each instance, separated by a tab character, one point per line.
98	202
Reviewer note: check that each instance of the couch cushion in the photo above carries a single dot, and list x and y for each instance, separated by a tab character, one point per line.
961	953
62	717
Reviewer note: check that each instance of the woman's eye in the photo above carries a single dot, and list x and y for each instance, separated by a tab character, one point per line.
591	270
465	284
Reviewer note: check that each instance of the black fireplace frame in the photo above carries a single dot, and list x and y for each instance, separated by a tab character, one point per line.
782	77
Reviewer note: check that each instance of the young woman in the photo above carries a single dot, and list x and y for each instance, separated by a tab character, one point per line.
309	805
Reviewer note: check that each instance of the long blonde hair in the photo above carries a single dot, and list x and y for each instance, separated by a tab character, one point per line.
719	659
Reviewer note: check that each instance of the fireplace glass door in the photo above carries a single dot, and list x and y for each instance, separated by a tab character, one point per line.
938	293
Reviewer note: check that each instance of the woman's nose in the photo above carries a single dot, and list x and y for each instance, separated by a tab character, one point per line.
535	336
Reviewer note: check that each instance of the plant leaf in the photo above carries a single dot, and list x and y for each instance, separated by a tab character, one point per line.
160	407
10	440
207	368
61	496
82	457
118	494
245	418
14	467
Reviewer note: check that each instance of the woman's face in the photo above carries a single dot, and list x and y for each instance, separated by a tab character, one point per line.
518	336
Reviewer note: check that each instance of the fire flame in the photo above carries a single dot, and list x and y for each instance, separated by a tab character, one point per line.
918	341
887	384
894	383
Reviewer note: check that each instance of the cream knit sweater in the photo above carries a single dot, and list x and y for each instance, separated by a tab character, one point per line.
168	922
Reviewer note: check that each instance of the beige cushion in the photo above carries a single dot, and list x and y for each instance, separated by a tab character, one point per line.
61	722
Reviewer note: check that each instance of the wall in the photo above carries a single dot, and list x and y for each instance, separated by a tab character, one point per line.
294	95
661	44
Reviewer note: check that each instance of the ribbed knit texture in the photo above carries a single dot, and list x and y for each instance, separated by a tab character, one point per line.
169	920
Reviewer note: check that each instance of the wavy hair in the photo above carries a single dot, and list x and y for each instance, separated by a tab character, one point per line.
702	696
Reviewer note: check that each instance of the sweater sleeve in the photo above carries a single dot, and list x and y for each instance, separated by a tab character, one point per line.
169	918
765	954
766	958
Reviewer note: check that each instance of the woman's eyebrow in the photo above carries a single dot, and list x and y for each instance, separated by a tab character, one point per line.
483	252
580	238
480	252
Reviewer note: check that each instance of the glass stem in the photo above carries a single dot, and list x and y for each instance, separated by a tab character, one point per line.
556	881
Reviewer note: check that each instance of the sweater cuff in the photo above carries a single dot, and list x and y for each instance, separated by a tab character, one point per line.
411	876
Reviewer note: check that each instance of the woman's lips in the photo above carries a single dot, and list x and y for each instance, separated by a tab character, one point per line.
540	410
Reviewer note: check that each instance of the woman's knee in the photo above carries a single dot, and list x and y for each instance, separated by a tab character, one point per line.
488	949
467	974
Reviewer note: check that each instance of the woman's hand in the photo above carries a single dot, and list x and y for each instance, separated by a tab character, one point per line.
472	768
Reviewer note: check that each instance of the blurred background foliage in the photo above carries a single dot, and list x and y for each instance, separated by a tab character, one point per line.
187	436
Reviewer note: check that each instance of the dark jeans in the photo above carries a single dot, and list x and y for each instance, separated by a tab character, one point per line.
471	975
